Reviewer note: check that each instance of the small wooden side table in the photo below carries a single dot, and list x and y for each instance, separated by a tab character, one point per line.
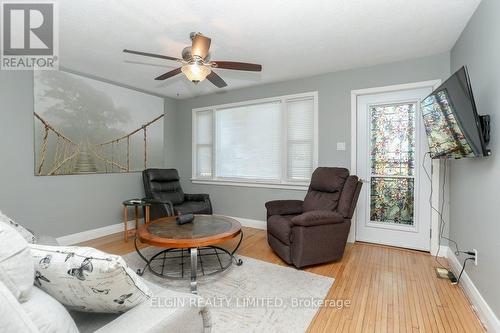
136	203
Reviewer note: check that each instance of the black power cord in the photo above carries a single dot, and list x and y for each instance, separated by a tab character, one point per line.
439	211
463	266
442	222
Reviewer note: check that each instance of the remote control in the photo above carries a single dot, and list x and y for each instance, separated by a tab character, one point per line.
183	219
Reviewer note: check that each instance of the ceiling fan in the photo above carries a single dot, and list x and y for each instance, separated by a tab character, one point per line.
196	64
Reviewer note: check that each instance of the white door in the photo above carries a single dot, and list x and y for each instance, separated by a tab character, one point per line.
393	207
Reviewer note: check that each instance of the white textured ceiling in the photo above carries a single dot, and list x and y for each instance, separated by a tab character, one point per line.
289	38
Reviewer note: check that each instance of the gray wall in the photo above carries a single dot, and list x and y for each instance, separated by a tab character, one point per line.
334	124
57	205
67	204
169	126
475	184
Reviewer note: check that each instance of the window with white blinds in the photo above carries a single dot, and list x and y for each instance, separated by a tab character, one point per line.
204	135
300	138
271	141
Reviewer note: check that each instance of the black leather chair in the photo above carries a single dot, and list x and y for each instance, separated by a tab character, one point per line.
163	185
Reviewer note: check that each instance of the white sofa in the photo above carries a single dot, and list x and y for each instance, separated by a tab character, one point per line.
148	318
26	308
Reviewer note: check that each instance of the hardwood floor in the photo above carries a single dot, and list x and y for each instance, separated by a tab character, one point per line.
390	289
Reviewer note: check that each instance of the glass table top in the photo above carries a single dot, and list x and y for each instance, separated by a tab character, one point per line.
141	202
201	227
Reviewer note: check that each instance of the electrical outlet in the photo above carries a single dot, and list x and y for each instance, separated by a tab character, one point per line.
475	256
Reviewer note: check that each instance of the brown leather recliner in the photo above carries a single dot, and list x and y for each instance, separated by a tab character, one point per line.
315	230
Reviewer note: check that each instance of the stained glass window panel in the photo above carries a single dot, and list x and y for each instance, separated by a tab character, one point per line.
392	200
393	139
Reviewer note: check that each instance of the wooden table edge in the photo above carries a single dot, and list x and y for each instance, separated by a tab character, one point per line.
146	237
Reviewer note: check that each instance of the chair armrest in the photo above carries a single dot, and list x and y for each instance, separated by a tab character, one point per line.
196	197
284	207
200	197
317	217
168	203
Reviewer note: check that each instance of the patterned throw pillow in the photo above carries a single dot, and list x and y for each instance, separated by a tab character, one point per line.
27	235
86	279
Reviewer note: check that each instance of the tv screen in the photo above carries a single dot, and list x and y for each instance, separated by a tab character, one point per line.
451	121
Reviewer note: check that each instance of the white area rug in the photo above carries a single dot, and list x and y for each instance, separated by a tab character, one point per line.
236	296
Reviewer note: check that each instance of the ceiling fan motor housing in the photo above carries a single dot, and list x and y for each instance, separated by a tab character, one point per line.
187	55
194	34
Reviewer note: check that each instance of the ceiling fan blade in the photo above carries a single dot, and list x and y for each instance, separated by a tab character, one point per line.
152	55
201	45
239	66
169	74
216	80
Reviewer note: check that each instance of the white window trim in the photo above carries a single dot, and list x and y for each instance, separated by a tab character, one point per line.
252	183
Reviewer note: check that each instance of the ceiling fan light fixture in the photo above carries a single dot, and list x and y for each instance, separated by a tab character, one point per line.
196	72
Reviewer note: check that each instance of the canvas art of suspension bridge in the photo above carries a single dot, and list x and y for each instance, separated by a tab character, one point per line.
87	126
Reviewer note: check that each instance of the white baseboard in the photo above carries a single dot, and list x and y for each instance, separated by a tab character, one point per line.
443	251
94	233
257	224
483	310
118	227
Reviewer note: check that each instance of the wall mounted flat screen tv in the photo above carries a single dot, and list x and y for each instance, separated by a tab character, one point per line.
453	127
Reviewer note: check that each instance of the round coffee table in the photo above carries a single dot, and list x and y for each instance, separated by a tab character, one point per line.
198	238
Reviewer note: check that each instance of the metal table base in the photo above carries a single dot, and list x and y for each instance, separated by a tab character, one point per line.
195	254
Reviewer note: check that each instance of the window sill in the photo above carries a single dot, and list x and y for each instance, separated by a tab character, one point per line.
284	186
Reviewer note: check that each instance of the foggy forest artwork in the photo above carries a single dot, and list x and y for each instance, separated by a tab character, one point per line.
87	126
